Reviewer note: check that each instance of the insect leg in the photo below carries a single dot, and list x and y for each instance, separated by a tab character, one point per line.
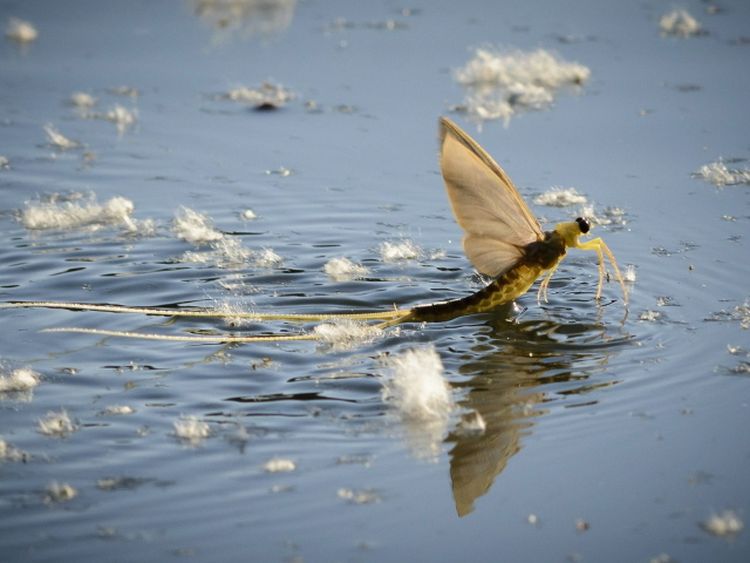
601	248
542	293
620	279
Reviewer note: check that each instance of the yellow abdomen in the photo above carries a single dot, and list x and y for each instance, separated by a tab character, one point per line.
503	289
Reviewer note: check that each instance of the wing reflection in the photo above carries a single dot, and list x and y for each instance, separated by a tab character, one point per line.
520	367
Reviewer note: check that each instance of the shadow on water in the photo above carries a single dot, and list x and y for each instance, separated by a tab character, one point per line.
517	373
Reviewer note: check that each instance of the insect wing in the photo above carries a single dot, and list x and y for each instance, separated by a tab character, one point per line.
489	256
486	204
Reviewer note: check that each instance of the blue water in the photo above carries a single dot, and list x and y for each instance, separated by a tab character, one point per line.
630	420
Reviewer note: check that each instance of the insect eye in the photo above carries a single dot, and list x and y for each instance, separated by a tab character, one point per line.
583	225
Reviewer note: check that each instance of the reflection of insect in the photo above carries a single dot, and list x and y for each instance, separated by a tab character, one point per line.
503	240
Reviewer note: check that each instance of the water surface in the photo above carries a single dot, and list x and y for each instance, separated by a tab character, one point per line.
611	434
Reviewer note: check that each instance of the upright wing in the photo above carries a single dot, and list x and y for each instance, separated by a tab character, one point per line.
487	205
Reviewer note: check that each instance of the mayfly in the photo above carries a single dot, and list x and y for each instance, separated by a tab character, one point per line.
503	240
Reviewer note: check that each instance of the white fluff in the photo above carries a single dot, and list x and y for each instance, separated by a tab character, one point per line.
343	334
18	380
471	424
11	453
364	496
436	254
399	251
267	95
68	215
282	171
191	430
122	117
279	465
194	227
60	492
248	215
237	284
56	424
82	100
560	197
4	163
227	252
679	23
530	96
116	410
234	312
416	388
720	175
343	269
607	216
501	83
629	275
513	68
649	316
124	90
58	140
267	258
742	314
728	523
487	106
737	350
21	31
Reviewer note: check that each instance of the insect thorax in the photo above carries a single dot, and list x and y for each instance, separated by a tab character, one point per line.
545	253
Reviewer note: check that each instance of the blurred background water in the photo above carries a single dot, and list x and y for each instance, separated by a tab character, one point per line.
610	435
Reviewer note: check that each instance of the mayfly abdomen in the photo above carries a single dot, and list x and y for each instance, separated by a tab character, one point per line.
501	290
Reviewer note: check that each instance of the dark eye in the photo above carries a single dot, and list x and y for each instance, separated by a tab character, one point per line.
583	225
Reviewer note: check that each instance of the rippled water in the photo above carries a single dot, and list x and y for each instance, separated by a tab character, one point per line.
610	434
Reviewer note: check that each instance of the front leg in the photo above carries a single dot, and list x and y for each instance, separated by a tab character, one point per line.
601	248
